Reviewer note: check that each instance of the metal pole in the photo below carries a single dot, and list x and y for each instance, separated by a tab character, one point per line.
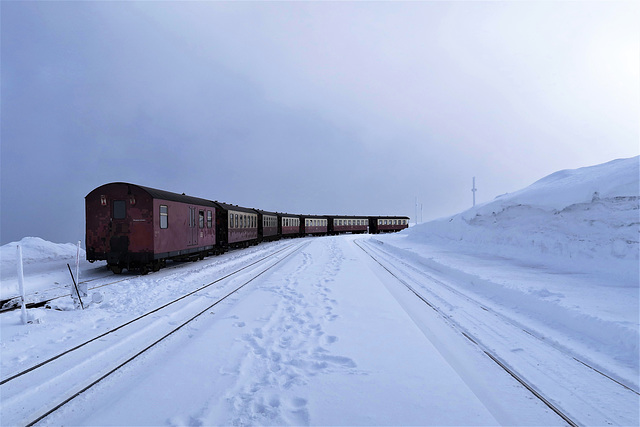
75	286
473	190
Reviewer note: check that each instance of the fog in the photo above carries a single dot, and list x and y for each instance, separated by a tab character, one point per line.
322	108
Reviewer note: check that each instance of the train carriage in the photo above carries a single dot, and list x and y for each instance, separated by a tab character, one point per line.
387	224
136	227
268	229
348	224
315	225
290	225
237	227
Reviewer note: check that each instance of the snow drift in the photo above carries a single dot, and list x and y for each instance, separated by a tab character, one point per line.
35	249
582	219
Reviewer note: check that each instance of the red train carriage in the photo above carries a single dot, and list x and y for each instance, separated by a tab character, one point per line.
267	226
348	224
237	227
290	225
315	225
136	227
387	224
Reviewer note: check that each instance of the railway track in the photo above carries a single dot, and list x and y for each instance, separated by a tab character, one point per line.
44	388
559	368
42	298
46	296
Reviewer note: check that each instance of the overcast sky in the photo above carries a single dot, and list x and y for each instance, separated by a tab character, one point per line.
336	107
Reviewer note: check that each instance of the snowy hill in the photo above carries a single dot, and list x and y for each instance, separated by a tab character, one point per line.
586	218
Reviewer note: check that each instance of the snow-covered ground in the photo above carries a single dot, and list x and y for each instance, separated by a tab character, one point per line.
546	279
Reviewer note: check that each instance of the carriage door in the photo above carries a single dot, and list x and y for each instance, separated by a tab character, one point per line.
192	233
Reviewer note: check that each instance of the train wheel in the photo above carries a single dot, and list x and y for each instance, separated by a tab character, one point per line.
116	269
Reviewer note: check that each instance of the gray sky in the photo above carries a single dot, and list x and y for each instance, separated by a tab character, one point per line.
321	107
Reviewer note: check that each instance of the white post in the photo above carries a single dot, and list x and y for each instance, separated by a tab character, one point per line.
473	190
23	314
81	289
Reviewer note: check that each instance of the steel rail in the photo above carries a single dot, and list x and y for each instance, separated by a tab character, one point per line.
176	329
36	304
45	362
493	357
515	324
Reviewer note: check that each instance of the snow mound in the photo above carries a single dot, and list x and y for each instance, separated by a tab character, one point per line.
582	219
35	249
618	178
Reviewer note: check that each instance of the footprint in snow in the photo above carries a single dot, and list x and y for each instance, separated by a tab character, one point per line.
330	339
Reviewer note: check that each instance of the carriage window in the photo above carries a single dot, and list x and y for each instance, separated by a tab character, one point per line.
209	219
201	219
164	216
236	221
119	209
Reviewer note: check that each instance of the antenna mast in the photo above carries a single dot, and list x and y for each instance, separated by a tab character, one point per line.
473	190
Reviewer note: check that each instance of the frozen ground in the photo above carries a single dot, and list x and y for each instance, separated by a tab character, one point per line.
546	279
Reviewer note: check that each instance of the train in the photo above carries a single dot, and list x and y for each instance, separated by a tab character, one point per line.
139	228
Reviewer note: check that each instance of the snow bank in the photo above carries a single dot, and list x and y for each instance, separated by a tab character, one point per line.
40	259
618	178
582	219
35	249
